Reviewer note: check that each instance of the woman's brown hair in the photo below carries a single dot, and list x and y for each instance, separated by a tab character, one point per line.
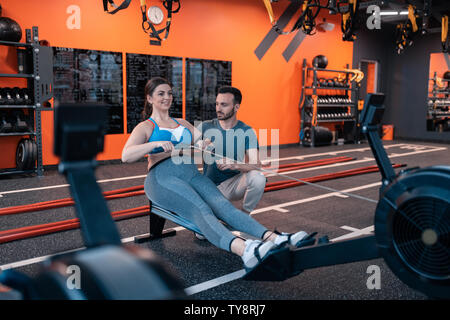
149	89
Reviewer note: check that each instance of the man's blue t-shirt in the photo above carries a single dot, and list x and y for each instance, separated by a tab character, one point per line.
230	143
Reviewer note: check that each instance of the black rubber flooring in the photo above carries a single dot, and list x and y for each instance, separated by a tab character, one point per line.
208	272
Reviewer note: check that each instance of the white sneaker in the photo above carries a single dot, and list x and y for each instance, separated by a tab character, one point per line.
199	236
255	251
292	238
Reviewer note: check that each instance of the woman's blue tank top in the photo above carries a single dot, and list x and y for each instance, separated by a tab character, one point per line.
177	135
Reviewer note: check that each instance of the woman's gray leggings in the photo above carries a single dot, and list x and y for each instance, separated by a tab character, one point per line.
181	188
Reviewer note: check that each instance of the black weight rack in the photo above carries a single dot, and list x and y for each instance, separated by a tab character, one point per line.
330	108
40	82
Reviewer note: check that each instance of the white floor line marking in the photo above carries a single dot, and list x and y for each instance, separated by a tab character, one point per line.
365	159
123	178
349	228
34	189
67	185
281	210
355	233
322	196
27	262
240	273
339	164
335	153
214	282
340	195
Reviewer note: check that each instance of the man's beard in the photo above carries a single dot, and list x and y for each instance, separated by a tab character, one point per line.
227	116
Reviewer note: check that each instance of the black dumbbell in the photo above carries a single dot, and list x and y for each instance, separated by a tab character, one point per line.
5	124
8	96
25	93
20	125
17	96
2	96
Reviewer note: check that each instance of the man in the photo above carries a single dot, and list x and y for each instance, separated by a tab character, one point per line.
233	139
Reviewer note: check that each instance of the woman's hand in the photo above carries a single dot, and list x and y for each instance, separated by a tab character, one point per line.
166	145
204	144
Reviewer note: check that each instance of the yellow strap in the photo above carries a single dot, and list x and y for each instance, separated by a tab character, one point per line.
412	18
305	5
444	28
142	3
357	76
314	115
269	10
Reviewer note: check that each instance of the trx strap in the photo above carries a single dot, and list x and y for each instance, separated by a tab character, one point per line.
348	21
412	18
306	21
406	31
309	23
122	6
268	5
151	30
444	34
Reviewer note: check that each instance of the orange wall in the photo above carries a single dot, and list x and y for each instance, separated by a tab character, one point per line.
439	65
207	29
370	78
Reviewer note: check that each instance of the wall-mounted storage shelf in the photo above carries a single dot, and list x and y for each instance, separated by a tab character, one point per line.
333	100
38	71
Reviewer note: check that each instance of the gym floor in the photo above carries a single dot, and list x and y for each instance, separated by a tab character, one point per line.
209	273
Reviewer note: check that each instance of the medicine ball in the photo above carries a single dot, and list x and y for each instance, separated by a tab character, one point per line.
9	30
320	61
447	75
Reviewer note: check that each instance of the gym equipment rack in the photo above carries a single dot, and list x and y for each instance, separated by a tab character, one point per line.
438	110
331	111
40	82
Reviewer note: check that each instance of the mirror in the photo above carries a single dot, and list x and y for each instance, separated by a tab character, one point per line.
438	110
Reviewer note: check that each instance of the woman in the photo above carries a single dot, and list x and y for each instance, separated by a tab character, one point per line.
179	187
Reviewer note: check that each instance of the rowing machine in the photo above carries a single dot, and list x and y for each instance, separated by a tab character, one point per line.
412	225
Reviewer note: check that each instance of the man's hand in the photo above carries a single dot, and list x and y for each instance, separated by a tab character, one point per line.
226	165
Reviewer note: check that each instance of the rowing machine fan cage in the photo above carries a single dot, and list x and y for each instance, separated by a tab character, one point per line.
412	229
